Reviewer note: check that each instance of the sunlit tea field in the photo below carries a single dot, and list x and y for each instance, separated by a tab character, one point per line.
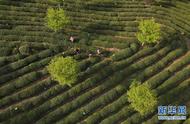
109	55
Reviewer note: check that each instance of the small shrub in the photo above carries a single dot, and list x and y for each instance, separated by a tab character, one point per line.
149	2
24	49
149	31
64	70
56	19
142	98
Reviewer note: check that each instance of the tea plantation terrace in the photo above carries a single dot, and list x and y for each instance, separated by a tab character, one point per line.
99	96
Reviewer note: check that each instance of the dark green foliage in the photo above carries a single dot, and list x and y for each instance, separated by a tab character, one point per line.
45	84
158	1
172	95
124	112
125	52
23	62
94	98
111	108
56	1
111	82
5	51
173	81
15	74
27	79
86	63
93	69
156	80
151	70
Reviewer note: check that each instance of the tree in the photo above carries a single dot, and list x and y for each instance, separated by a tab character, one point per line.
56	19
142	98
149	31
64	70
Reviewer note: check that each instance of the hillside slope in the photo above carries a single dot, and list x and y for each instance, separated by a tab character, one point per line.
27	93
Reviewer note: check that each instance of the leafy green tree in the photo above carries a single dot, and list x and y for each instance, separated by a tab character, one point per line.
142	98
64	70
149	31
56	18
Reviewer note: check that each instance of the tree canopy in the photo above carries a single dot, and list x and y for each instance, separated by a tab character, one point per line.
141	97
149	31
64	70
56	19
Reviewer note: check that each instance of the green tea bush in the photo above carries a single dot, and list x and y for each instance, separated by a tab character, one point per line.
24	70
173	94
123	113
88	62
56	1
26	93
173	81
93	69
113	107
92	105
12	67
97	78
141	97
149	31
158	2
5	51
151	70
27	79
24	49
161	77
64	70
56	19
152	1
125	52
